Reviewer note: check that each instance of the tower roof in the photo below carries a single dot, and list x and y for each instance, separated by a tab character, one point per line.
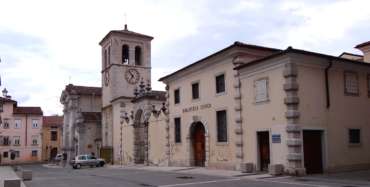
125	32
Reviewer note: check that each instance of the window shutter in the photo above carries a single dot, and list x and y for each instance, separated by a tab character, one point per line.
261	90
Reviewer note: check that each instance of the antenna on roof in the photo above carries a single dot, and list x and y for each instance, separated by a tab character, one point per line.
125	17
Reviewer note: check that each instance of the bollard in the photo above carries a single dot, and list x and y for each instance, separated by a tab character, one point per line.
12	183
27	175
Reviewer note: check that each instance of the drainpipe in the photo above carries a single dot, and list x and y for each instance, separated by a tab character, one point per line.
26	129
327	83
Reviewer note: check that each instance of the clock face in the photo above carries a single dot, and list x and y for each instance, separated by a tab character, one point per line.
132	76
106	78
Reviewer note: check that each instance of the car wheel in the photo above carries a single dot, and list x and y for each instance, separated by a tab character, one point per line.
102	164
78	166
74	167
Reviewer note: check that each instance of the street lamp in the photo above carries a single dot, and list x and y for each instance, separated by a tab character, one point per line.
123	117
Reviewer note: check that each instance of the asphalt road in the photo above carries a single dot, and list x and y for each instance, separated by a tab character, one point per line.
113	177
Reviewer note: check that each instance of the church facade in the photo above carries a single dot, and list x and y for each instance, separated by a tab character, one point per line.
245	107
82	129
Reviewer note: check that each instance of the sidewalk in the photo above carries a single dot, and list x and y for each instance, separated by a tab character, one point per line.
194	170
7	172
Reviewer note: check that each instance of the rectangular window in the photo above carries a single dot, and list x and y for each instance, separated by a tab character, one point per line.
6	140
6	154
220	83
195	90
177	130
17	154
6	124
17	124
177	96
221	126
261	90
351	86
17	140
354	136
35	123
54	136
34	153
35	140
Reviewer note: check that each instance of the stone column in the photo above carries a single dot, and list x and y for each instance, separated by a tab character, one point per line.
293	129
167	120
238	122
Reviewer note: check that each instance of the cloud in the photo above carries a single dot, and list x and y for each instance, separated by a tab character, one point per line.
43	43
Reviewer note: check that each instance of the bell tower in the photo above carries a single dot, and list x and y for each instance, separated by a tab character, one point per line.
126	62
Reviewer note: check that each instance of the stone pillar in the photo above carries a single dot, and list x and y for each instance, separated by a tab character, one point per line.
167	120
293	129
238	122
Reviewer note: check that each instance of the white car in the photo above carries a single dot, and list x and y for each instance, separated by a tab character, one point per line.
59	157
86	160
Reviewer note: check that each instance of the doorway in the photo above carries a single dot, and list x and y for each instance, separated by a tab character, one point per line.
53	153
312	149
263	140
198	144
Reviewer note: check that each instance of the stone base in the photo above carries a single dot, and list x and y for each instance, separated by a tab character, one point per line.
26	175
295	171
12	183
276	169
247	167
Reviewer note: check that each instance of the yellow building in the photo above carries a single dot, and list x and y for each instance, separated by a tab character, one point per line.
51	137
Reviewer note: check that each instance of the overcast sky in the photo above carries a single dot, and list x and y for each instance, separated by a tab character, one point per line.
45	45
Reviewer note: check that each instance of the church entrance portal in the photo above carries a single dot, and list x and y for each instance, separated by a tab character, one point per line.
140	139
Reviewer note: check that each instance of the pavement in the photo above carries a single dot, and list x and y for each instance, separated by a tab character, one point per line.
7	172
139	176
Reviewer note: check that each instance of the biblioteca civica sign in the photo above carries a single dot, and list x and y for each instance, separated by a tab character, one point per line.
196	108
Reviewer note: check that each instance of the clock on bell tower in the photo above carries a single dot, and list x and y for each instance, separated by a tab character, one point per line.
126	60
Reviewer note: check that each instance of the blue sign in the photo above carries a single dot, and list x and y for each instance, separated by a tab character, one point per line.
276	138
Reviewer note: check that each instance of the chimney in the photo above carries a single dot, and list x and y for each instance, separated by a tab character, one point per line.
365	48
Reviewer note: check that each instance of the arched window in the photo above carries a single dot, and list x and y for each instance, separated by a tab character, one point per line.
125	54
108	58
105	58
137	55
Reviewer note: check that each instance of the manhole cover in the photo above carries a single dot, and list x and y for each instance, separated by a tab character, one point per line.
185	177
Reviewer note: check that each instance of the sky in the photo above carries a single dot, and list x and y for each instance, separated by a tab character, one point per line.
47	44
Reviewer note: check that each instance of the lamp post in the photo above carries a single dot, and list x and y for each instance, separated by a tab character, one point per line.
122	118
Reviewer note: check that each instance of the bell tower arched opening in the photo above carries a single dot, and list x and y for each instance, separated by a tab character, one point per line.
125	54
138	57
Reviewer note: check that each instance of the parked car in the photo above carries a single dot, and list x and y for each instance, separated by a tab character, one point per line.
86	160
59	157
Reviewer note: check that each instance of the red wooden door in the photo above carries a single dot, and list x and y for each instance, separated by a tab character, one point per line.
264	150
199	145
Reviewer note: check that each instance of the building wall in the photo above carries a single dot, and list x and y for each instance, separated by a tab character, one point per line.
344	112
264	116
48	144
158	140
26	132
221	155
